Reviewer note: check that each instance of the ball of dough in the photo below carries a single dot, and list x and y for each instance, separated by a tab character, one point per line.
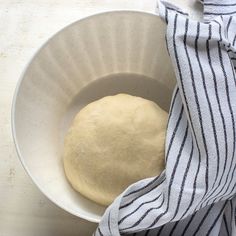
112	143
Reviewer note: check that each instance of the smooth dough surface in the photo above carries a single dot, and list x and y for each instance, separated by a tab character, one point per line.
112	143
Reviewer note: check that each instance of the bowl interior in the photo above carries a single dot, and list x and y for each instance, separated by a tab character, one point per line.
105	54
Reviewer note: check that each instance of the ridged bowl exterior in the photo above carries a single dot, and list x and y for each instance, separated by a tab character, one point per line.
85	51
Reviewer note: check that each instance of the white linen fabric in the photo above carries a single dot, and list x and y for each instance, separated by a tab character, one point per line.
196	194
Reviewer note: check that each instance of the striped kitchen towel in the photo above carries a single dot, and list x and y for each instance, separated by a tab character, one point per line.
196	194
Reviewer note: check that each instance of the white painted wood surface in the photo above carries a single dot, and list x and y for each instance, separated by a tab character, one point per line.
24	26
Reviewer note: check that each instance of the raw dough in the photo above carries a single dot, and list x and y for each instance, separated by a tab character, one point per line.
112	143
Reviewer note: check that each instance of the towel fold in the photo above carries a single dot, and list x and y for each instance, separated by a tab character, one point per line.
196	194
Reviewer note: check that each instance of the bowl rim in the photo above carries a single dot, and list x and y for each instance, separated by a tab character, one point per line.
16	92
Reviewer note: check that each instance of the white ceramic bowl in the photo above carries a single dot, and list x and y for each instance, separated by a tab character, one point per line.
104	54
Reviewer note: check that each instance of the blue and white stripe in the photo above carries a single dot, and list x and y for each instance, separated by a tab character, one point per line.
195	195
